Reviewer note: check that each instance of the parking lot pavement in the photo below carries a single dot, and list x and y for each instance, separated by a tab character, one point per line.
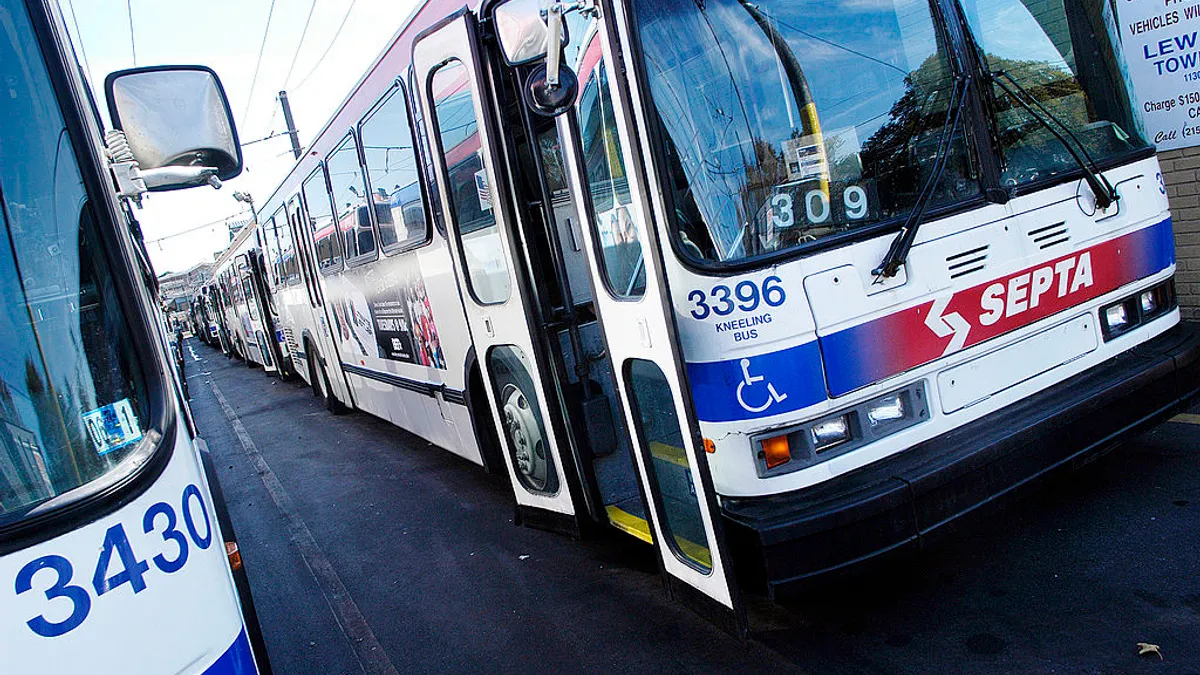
369	550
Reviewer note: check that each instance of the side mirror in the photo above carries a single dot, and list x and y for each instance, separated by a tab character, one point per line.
178	124
522	30
525	36
546	98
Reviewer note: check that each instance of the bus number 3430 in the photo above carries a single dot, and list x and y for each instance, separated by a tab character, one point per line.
132	570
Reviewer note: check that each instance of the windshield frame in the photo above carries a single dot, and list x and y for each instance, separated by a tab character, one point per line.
948	17
148	459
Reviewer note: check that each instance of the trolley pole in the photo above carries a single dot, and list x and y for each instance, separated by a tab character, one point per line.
293	135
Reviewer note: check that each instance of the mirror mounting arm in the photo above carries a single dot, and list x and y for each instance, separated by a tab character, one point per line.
133	182
554	22
124	167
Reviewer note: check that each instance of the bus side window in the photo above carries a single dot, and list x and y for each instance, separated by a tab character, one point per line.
393	174
320	219
616	223
285	260
349	194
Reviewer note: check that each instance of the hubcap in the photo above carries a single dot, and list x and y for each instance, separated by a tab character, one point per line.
524	432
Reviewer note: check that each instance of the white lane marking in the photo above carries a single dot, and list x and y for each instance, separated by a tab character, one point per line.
370	654
192	351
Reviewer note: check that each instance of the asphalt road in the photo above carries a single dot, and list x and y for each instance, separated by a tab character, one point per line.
368	550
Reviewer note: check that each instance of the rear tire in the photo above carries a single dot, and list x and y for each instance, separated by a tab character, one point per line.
320	384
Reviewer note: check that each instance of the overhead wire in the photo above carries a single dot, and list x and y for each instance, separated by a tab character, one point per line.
303	33
332	41
79	38
132	42
197	228
258	64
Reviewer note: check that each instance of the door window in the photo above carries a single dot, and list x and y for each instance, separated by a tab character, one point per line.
467	179
393	173
271	251
616	225
320	220
668	466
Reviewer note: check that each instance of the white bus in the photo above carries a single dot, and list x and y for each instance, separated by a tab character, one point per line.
116	554
247	314
780	287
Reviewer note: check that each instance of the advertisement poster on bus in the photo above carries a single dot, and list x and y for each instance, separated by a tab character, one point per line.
401	317
1159	39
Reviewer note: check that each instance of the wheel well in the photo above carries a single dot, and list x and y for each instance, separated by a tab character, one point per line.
483	421
312	356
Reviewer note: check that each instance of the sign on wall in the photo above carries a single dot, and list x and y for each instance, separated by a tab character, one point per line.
1162	48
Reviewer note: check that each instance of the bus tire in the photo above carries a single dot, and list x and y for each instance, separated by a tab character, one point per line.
320	384
521	417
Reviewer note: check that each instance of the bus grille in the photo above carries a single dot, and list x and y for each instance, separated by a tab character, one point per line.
1050	235
962	264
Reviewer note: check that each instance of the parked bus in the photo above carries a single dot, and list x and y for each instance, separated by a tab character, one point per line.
780	287
116	554
247	314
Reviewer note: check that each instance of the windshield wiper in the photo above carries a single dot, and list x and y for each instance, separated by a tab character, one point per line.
1106	194
898	251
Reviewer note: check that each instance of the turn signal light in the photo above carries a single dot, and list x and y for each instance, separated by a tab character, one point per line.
235	556
776	451
709	446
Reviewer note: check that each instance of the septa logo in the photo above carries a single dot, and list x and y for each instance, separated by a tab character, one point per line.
870	351
944	325
1024	292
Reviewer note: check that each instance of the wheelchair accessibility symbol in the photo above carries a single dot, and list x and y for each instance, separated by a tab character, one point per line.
748	382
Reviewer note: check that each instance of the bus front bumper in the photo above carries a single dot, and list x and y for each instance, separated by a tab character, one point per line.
781	543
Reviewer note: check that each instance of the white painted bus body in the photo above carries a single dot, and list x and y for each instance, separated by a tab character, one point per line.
995	303
126	570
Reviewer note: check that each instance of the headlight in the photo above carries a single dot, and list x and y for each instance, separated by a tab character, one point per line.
829	433
1116	317
886	409
1138	309
781	451
1149	302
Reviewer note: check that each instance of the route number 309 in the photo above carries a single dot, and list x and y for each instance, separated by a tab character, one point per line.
747	293
816	206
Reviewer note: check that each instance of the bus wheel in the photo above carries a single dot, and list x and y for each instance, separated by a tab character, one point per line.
320	386
529	446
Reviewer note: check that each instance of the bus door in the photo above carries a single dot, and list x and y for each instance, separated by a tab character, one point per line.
489	270
262	295
319	324
625	261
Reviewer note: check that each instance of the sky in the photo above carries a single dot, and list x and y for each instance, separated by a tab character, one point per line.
186	227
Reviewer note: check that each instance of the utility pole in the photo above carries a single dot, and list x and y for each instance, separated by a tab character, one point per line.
291	124
245	197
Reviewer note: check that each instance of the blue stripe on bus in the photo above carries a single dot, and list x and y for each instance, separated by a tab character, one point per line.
779	382
237	660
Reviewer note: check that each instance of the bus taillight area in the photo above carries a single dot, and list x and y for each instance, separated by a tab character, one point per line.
789	540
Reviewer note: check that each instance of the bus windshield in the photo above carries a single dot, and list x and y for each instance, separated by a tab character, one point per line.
784	123
73	400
